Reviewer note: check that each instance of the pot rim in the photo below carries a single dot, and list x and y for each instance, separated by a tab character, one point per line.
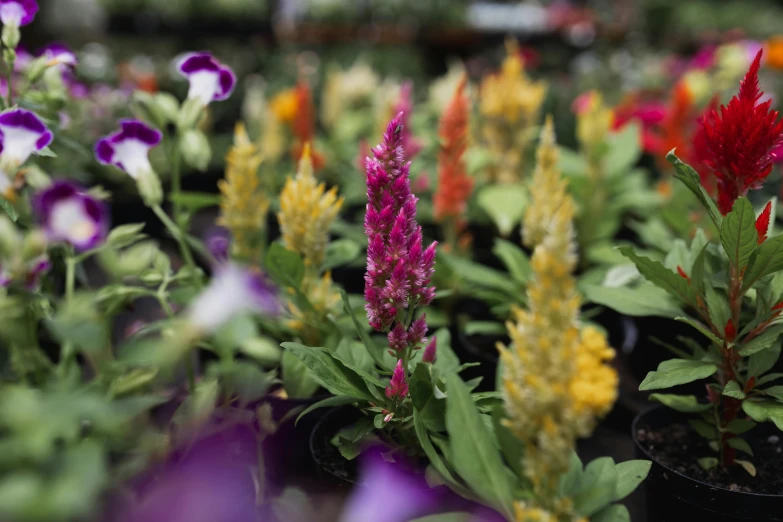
640	447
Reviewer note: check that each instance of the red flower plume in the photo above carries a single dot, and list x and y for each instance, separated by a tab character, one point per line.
303	126
740	140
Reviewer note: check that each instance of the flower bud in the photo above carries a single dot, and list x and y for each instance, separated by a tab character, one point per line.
195	149
11	36
149	187
166	106
36	69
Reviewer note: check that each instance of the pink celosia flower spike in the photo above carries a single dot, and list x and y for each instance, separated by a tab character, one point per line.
397	388
741	139
399	269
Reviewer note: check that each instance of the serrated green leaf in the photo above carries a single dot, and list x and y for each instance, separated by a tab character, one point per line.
298	381
718	306
738	234
733	389
690	178
476	457
683	403
333	374
661	276
701	328
630	474
766	259
677	371
763	341
697	271
741	445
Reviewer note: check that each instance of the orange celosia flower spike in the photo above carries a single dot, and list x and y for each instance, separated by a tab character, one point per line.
303	124
454	183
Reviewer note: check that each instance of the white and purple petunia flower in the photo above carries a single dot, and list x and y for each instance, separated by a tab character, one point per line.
234	290
23	133
69	214
57	54
18	12
209	79
128	148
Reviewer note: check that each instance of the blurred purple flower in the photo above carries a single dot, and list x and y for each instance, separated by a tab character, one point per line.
59	55
18	12
69	214
23	133
128	148
209	79
218	241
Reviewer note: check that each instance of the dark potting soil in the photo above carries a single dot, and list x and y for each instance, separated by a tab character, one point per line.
678	447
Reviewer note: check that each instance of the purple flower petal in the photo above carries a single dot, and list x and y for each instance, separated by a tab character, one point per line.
70	215
23	134
59	54
18	12
209	79
128	148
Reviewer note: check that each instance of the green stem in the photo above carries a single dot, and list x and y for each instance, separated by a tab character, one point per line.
10	82
70	283
175	231
176	182
161	296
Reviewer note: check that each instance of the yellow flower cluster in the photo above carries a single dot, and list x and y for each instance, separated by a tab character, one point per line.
243	203
324	300
555	382
509	103
346	89
307	210
593	122
284	105
523	512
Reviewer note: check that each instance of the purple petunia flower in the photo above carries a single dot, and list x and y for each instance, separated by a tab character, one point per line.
23	133
58	54
128	148
218	242
70	215
234	289
209	79
18	12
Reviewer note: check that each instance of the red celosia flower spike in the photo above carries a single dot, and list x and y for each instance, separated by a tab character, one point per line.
454	183
762	222
303	126
740	140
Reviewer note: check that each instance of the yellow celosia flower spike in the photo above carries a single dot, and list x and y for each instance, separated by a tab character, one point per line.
243	204
307	210
509	103
556	383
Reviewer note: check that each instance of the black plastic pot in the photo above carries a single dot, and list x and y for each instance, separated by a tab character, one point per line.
672	496
333	469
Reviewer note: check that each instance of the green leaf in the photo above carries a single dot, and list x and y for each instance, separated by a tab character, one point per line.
476	457
447	361
677	371
79	322
718	306
690	178
340	252
766	259
643	301
132	381
510	446
624	150
198	406
421	386
613	513
125	235
707	463
434	457
740	426
700	327
697	271
514	258
683	403
484	328
770	377
476	273
570	479
263	349
661	276
46	152
775	391
707	431
195	200
505	204
372	349
765	410
331	402
733	389
738	234
298	381
596	488
630	474
763	341
333	374
284	266
747	466
741	445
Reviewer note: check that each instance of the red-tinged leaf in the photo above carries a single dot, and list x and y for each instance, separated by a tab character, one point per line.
762	222
683	274
750	384
730	331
